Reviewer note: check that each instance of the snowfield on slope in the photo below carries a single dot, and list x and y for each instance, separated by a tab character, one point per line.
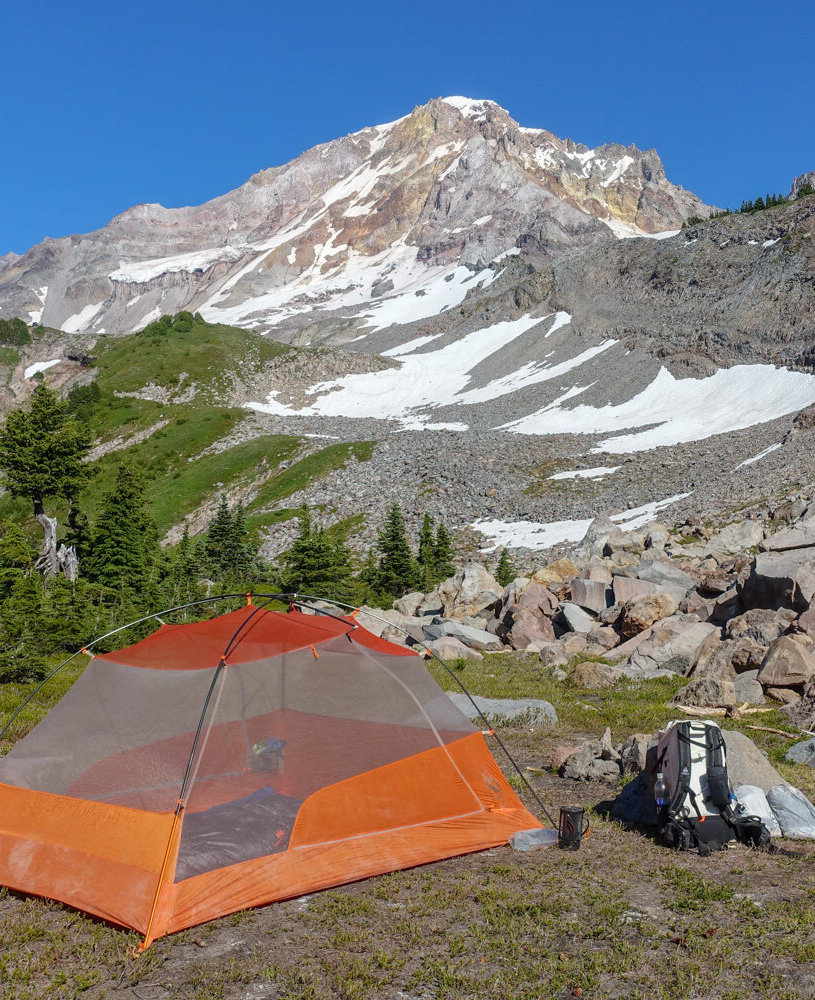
676	411
431	379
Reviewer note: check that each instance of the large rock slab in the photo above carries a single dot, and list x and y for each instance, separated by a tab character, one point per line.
787	664
538	598
707	691
673	645
668	577
522	627
577	619
735	538
593	595
760	625
534	710
746	764
449	648
799	536
409	604
627	589
780	580
471	590
748	689
802	753
475	638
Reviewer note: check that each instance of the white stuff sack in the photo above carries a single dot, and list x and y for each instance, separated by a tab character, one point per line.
755	804
795	812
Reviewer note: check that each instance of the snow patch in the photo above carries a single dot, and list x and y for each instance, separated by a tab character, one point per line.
82	319
145	270
683	410
596	473
40	366
758	457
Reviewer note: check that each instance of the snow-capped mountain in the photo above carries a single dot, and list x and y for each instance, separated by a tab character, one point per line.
382	225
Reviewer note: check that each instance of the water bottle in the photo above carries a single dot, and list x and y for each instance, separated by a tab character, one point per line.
661	793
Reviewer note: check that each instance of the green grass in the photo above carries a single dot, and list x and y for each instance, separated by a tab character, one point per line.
208	354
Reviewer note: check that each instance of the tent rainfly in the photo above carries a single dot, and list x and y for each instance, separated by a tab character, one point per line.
229	763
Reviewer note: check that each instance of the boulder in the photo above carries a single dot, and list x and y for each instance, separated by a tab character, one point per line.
553	655
802	753
409	604
598	573
431	605
475	638
471	590
629	589
378	620
802	712
521	627
780	580
746	764
535	711
596	760
538	598
559	756
761	625
748	689
449	648
787	696
806	622
787	664
514	589
591	674
800	536
737	537
594	541
605	637
745	655
574	643
640	614
667	576
657	536
673	644
576	618
707	691
564	568
634	753
592	594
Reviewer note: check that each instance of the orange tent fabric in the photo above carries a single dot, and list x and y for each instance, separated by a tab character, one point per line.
245	759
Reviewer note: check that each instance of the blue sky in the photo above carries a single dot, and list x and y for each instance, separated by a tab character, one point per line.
108	105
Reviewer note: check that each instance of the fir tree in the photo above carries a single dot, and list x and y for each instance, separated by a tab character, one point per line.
443	553
426	557
316	563
219	539
16	558
506	572
124	536
398	571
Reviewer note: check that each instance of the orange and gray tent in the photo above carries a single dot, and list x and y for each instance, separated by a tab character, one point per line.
229	763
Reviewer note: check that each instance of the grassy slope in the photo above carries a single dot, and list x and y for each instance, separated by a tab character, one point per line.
211	358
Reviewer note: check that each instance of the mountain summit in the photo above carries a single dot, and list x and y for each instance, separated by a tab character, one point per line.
390	208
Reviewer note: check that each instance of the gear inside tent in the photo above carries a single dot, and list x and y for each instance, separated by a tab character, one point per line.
253	757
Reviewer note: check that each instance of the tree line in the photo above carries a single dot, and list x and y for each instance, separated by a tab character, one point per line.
92	575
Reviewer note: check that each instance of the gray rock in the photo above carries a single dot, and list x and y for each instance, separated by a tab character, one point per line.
802	753
780	580
471	590
409	604
633	754
628	589
746	764
761	625
787	664
521	626
669	577
538	598
577	619
707	691
734	538
591	674
553	655
799	536
431	605
536	711
672	644
449	648
748	689
475	638
592	594
597	572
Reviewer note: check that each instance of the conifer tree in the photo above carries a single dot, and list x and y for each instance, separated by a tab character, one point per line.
124	536
398	571
317	564
219	539
426	556
16	558
41	457
443	553
506	572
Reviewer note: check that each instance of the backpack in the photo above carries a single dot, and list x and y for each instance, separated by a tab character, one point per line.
700	810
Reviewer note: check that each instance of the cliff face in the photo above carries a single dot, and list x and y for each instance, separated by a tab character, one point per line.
363	218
